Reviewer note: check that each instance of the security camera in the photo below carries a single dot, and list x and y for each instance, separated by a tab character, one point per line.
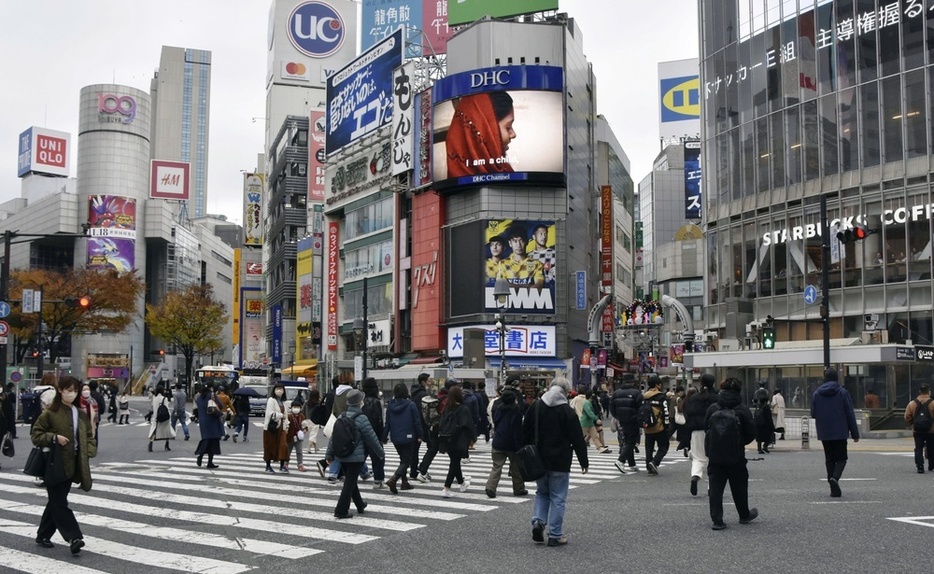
872	318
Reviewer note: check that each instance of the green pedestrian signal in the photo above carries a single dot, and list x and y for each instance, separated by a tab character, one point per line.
768	338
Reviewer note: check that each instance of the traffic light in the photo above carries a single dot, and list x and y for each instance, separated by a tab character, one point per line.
82	302
35	353
768	338
858	233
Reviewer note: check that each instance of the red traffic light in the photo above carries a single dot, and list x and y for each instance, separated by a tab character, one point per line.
82	302
161	351
858	233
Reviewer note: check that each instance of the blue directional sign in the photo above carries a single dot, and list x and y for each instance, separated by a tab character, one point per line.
4	309
810	294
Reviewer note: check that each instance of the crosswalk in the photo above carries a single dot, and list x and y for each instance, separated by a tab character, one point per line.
170	513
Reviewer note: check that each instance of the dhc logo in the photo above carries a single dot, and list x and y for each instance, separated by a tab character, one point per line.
680	98
316	29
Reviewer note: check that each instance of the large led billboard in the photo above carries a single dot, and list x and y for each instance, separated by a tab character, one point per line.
499	125
112	230
464	11
359	96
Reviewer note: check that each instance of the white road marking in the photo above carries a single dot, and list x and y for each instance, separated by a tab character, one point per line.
37	563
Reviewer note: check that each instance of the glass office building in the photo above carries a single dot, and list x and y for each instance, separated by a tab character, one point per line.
803	98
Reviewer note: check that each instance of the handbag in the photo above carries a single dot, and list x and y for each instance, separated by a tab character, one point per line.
273	425
329	427
530	463
55	466
35	462
8	449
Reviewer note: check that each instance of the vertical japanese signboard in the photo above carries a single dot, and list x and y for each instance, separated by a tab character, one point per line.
692	180
403	118
333	255
253	209
606	253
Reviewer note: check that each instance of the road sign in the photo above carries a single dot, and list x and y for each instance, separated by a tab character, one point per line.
28	301
4	328
4	309
810	294
16	376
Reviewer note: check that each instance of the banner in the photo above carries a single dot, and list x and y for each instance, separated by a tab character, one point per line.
403	118
333	256
316	156
692	180
253	208
359	96
112	227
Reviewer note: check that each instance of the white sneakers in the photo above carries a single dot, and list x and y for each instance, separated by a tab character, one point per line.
464	485
446	492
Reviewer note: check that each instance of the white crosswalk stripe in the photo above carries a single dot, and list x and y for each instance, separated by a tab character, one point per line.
170	499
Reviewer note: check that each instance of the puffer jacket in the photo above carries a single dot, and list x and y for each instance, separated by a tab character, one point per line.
695	409
60	422
624	403
369	443
403	422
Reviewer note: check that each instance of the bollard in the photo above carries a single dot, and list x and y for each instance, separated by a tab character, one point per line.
805	433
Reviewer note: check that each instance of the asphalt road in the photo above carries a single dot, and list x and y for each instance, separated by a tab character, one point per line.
157	512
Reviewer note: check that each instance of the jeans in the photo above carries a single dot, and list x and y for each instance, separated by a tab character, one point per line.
924	441
738	477
379	467
627	445
335	469
350	491
499	460
241	421
551	495
405	457
180	418
57	514
652	440
698	453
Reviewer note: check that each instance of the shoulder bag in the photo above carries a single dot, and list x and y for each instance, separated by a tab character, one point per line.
530	463
7	449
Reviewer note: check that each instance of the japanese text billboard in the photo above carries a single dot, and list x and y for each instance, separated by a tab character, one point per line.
316	156
112	230
692	180
403	118
521	341
253	208
499	125
359	96
522	252
426	22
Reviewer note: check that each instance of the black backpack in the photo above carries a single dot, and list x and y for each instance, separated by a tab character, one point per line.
344	436
645	416
373	410
922	418
320	414
162	413
724	440
448	430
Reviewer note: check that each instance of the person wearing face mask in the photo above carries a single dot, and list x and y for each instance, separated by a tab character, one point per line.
160	430
295	436
89	405
275	427
68	426
210	421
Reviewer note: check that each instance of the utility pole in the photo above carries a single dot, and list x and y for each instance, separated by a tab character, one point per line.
825	278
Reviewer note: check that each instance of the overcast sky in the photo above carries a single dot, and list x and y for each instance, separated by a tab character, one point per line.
53	48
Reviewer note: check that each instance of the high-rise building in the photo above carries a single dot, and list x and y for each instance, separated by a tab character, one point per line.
810	101
181	113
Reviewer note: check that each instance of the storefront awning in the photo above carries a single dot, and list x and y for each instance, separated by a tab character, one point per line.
530	363
426	360
803	353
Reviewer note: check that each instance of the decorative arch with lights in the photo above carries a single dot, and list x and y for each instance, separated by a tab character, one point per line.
642	312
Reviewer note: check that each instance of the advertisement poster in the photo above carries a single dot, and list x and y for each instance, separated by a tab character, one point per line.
522	252
112	227
359	96
692	180
253	208
464	11
426	22
498	125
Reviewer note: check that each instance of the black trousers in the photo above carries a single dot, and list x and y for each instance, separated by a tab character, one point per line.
405	457
738	477
834	457
430	452
454	468
660	440
924	441
627	452
350	491
57	514
413	460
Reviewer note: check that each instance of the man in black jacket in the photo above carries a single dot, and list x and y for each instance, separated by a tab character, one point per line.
554	427
507	440
695	414
727	459
624	403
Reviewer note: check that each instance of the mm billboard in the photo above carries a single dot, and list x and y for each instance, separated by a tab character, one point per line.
499	125
464	11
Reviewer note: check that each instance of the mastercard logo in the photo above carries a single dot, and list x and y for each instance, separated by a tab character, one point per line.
295	68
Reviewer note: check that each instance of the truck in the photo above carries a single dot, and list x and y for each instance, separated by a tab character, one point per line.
259	383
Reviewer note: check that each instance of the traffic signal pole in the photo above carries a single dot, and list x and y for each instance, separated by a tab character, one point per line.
825	278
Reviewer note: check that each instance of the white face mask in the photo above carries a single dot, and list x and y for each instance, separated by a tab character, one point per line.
68	397
86	394
279	392
296	410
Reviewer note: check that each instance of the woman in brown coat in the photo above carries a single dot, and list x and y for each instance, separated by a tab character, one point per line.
71	428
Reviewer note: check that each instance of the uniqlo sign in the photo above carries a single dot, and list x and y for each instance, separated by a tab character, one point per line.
43	151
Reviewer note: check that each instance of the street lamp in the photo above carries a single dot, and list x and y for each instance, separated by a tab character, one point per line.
501	293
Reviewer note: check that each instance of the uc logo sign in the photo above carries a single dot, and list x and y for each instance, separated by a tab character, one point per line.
680	98
316	29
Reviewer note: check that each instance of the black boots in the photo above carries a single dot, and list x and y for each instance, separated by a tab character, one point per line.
167	445
150	446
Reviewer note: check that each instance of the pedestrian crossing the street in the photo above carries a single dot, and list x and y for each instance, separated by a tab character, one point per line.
169	513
